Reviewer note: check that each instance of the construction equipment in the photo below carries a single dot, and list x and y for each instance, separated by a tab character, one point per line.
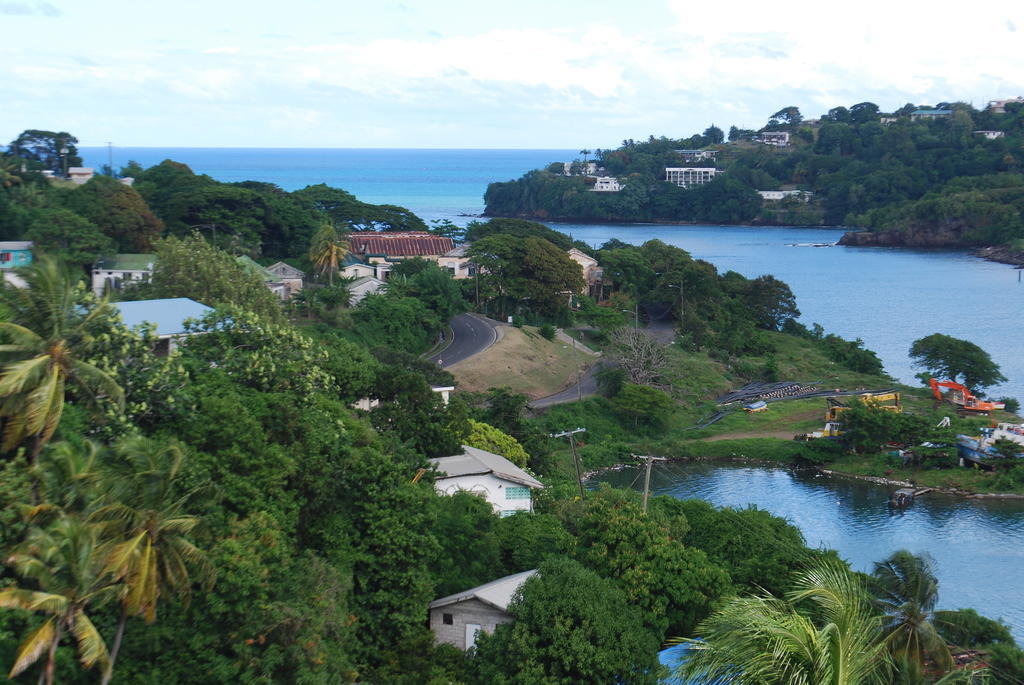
960	396
888	400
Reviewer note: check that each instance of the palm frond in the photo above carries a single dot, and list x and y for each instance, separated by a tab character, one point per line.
37	642
91	647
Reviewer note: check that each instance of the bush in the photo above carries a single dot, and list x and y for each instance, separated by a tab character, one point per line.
1012	404
547	331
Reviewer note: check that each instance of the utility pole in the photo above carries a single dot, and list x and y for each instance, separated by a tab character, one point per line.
575	459
110	158
647	474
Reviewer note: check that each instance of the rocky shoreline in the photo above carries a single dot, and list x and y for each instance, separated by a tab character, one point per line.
949	239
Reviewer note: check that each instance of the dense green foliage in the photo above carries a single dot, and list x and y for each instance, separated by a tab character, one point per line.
932	181
961	361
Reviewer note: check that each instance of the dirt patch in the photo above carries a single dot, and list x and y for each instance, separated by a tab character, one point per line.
523	361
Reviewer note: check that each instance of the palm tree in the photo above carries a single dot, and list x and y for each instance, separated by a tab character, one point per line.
65	560
906	590
153	557
766	640
45	337
327	250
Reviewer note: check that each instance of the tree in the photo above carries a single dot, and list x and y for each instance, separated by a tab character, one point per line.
906	591
642	356
45	148
191	267
47	337
787	116
154	559
642	403
118	210
486	437
957	360
531	272
68	236
771	302
65	560
714	135
766	640
327	250
571	626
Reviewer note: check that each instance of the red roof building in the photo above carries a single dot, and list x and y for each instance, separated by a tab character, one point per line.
399	244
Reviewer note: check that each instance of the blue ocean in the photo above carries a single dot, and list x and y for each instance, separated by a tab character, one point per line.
886	297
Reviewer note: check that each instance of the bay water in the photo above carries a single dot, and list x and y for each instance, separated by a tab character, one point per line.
977	544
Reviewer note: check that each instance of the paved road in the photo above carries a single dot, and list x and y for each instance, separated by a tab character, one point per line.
473	334
587	387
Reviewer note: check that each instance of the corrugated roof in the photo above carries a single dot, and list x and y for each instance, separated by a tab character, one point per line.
363	280
126	262
285	270
475	461
399	244
498	593
167	315
16	245
252	267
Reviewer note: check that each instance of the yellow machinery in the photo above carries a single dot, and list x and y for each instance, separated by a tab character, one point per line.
888	400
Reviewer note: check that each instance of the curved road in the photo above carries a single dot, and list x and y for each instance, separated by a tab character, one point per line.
472	334
587	387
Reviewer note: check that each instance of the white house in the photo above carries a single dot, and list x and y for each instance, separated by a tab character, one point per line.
607	184
116	271
929	114
80	175
506	486
685	177
585	168
696	155
456	261
458	619
774	138
363	286
779	195
990	135
168	317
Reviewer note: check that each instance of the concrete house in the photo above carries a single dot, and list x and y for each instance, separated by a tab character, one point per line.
774	138
13	254
289	275
116	271
168	316
458	619
506	486
457	262
990	135
593	275
80	175
929	114
696	155
999	106
684	177
363	286
607	184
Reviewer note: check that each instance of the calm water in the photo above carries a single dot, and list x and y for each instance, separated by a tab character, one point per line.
887	297
978	545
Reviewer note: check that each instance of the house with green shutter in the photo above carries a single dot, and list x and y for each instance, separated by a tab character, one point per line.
507	487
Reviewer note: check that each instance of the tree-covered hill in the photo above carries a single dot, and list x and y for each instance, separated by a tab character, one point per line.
916	180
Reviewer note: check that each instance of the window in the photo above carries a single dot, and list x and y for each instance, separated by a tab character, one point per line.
5	256
517	492
447	619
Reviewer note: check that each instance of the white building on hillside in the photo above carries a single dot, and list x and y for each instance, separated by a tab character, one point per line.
607	184
774	138
779	195
506	486
684	177
114	272
458	619
990	135
999	106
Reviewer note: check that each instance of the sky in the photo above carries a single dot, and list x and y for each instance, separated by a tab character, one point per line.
481	74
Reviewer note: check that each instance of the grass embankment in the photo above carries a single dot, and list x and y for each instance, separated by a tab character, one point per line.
524	361
694	379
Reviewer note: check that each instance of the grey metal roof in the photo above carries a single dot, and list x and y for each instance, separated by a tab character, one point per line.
475	461
285	270
498	593
167	315
16	245
362	280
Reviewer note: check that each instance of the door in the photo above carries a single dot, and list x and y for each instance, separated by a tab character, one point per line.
471	630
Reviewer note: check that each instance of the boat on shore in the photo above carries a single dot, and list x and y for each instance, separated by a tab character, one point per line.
981	450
